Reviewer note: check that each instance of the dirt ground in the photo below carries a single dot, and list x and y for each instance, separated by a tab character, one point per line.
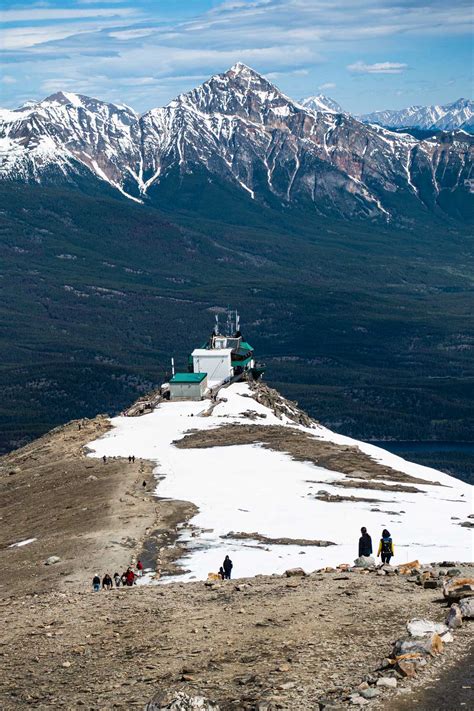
94	516
289	642
263	643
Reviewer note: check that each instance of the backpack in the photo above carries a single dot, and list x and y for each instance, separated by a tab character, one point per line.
387	545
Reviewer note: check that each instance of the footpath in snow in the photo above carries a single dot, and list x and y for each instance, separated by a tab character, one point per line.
248	488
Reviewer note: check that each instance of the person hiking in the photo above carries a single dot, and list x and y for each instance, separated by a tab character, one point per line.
365	543
140	568
117	579
385	547
107	583
133	458
96	583
221	573
123	578
129	458
130	577
104	459
227	565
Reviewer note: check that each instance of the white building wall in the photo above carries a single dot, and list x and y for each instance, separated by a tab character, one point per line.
216	363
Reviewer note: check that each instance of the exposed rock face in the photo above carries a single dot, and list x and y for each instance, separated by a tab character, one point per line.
238	127
180	702
458	588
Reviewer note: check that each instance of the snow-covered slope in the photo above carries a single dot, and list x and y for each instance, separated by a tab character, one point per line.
457	115
322	103
239	128
249	488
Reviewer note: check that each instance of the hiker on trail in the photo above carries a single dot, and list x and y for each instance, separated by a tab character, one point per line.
130	577
107	583
124	579
129	458
104	459
386	547
96	583
365	543
117	579
221	573
227	565
140	568
133	458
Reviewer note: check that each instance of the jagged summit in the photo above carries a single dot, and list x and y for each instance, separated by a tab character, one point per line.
458	114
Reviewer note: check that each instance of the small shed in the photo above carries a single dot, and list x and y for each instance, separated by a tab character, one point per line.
216	362
188	386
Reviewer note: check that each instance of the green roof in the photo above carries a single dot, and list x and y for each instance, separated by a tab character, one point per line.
245	346
241	363
188	378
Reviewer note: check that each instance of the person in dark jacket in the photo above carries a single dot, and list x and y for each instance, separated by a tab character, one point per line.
96	583
227	565
365	543
117	579
107	583
221	573
386	547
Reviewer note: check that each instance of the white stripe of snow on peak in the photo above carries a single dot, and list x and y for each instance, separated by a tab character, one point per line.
20	544
250	488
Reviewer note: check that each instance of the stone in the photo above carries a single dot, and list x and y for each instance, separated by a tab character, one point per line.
179	701
423	628
453	572
430	584
66	665
52	560
432	645
454	617
388	682
447	637
357	700
408	667
467	608
409	568
295	572
369	693
456	588
364	561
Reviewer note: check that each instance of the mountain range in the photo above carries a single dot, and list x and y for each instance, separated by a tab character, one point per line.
450	117
239	128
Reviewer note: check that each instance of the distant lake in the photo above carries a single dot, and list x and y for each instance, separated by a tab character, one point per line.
455	458
397	447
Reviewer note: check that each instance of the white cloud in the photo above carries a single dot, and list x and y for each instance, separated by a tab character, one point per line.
8	79
377	68
327	85
41	14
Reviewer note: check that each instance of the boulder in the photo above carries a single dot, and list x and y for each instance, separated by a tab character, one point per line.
423	628
369	693
432	645
364	561
453	572
295	572
179	701
467	608
409	568
454	617
456	588
52	560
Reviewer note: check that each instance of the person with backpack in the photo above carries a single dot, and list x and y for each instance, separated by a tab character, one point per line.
365	543
227	565
140	568
96	583
117	579
386	547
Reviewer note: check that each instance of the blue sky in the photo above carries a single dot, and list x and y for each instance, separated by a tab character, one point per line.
367	54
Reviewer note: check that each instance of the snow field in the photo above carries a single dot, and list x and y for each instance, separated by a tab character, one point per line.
247	488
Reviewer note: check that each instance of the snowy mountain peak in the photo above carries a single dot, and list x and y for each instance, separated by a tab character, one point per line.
458	114
321	103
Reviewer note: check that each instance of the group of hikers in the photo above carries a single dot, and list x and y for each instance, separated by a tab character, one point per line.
385	550
127	579
131	459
